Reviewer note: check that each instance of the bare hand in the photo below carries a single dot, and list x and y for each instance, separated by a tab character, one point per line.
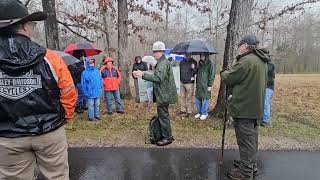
137	74
193	66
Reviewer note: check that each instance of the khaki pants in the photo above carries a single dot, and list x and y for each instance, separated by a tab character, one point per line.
19	156
186	96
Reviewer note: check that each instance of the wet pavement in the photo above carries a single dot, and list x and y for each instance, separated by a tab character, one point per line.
180	164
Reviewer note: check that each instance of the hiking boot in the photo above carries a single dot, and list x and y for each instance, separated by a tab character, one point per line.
197	116
236	174
121	112
236	164
164	142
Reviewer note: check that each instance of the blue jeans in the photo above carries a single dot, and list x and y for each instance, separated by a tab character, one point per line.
202	106
108	98
81	101
267	105
93	108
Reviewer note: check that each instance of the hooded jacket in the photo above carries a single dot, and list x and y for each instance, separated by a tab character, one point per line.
37	93
111	77
205	79
91	81
247	78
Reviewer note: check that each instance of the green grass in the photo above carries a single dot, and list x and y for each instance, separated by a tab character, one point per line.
295	118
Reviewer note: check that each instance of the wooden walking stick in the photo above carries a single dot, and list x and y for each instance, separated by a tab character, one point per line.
224	125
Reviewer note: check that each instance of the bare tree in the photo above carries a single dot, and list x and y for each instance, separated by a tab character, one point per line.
238	25
51	24
123	46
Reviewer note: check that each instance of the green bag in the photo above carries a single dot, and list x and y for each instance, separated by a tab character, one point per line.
154	131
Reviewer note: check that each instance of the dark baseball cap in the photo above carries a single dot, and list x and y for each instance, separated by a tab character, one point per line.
249	39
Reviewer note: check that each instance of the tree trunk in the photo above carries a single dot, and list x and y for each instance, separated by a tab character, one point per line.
106	33
167	21
238	25
51	24
123	47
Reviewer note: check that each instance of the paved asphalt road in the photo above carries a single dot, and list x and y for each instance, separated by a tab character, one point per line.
180	164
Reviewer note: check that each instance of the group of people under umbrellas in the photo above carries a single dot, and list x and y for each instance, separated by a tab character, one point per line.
91	82
198	76
38	97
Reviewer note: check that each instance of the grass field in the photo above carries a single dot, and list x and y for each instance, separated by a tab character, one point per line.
295	122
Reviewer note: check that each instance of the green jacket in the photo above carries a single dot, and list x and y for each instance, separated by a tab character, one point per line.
247	78
164	87
205	78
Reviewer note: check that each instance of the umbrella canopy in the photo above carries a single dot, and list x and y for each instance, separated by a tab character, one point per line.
67	58
84	49
75	66
194	47
149	59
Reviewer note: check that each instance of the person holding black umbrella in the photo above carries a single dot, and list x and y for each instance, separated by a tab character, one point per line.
37	96
188	70
205	79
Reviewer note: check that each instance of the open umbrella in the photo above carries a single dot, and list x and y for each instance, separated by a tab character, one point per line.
67	58
194	47
149	60
75	66
84	49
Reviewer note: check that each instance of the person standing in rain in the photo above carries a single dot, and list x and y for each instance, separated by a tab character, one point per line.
91	83
188	70
164	89
205	79
37	99
247	79
138	65
269	91
111	81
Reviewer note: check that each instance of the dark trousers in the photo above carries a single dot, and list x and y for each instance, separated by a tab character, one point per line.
247	139
163	115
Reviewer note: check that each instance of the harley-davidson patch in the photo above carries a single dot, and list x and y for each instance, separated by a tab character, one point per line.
18	87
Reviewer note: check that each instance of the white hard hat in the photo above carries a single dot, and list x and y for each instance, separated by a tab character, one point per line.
158	46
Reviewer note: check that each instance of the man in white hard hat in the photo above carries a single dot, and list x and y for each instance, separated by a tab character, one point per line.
164	89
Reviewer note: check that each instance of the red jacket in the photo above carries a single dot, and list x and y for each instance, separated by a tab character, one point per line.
111	77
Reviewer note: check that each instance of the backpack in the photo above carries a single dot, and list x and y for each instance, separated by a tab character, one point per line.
154	131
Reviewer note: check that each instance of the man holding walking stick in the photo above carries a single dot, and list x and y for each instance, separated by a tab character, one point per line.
247	79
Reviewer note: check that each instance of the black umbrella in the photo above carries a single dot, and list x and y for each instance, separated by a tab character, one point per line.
194	47
67	58
75	66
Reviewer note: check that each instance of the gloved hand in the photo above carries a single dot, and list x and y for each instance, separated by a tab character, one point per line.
209	88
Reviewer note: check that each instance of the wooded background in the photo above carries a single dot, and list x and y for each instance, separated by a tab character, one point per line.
290	29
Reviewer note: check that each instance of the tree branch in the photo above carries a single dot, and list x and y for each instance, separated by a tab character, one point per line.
286	10
78	34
